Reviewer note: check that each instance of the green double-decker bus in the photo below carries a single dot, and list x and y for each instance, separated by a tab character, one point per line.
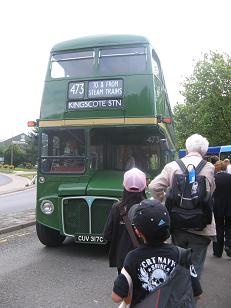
104	110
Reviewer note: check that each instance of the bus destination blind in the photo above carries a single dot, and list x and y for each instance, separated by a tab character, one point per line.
95	94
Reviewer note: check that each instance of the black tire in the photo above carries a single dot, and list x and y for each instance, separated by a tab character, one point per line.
49	237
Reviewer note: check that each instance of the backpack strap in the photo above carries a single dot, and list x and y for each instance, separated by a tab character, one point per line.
200	166
198	169
184	255
128	225
127	301
182	165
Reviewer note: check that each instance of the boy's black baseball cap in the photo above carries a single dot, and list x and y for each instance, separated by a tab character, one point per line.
150	217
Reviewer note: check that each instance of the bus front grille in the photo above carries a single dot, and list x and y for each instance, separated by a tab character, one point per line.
75	216
85	215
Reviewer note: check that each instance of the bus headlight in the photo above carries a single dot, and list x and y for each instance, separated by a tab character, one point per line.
47	207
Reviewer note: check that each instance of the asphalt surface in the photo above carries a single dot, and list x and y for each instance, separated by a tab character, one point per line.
216	281
18	220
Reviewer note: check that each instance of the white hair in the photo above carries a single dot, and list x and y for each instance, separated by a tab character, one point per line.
197	143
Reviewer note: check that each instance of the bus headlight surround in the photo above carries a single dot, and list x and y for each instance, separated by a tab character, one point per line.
41	180
47	207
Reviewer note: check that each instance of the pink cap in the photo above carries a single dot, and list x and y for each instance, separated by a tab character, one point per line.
134	180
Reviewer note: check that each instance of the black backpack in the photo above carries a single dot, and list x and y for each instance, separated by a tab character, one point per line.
177	291
188	203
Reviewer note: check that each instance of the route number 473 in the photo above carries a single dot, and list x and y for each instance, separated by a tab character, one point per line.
77	89
153	139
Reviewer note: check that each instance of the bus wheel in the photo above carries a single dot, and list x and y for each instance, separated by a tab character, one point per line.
48	236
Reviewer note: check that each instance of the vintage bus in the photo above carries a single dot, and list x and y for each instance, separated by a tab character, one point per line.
104	101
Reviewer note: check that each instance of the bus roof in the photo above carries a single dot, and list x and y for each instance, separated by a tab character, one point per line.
100	40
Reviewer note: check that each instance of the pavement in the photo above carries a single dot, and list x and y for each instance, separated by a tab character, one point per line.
14	221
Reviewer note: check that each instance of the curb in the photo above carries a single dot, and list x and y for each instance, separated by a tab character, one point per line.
17	183
19	220
18	227
10	191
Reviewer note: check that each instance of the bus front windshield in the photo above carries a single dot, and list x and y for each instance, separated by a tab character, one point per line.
124	148
63	151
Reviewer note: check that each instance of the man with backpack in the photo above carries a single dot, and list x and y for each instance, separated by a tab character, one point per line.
187	191
156	274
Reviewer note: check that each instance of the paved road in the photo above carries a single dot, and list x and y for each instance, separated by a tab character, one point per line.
12	215
78	275
18	201
4	179
216	279
70	276
216	282
12	182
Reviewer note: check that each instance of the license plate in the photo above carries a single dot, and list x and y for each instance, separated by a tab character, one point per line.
88	238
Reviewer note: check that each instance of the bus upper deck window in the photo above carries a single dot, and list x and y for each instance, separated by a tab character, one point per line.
57	71
127	60
71	64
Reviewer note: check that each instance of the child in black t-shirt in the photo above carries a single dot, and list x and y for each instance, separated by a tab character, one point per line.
152	266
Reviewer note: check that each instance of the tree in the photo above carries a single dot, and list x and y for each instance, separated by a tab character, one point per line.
2	150
23	153
32	146
18	154
207	106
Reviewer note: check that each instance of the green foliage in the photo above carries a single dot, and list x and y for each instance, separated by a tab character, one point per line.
32	147
3	167
24	154
28	166
16	152
2	149
207	106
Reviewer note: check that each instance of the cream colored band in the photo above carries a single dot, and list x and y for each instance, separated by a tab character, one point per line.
104	121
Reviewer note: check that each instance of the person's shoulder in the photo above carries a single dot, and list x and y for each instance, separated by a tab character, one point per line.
132	257
167	249
208	171
116	204
226	175
140	250
209	168
210	165
115	207
222	174
173	165
172	249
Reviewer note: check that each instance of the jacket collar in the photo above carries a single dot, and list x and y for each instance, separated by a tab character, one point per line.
194	154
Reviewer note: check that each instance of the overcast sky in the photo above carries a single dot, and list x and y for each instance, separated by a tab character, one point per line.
180	31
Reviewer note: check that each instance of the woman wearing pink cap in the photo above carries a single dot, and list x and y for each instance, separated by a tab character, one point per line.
115	231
